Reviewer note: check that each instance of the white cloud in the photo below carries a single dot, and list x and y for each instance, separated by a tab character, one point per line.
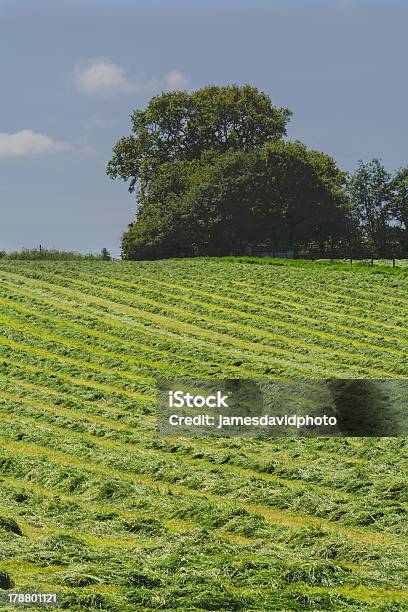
27	143
175	80
103	78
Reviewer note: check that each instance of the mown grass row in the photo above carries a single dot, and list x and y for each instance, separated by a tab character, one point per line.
250	331
370	354
302	477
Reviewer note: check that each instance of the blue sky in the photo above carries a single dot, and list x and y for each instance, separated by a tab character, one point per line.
71	72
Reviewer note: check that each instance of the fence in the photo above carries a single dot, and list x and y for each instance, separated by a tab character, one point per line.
360	257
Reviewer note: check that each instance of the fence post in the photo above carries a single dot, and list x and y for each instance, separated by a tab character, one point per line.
393	262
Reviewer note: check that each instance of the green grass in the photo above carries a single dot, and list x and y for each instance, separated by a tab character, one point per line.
98	507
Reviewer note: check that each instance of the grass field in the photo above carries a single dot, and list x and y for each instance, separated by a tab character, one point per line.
96	506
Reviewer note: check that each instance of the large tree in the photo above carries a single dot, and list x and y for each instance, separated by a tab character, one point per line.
370	190
213	175
280	195
181	126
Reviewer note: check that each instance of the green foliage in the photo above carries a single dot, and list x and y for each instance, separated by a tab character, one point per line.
175	159
213	176
370	194
178	126
278	195
379	204
48	255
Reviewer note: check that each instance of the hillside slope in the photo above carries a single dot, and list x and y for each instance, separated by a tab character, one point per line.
95	505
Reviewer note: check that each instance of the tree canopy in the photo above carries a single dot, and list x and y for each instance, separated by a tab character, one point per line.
277	195
369	190
379	205
213	174
178	126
